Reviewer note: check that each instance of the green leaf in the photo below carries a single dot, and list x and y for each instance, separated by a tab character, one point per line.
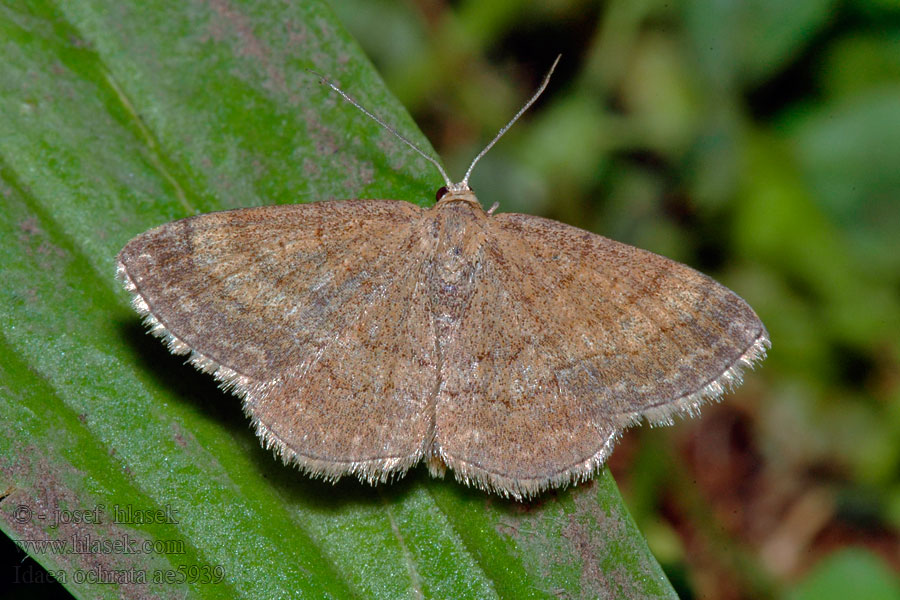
119	116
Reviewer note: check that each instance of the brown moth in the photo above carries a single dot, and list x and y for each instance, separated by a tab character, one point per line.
366	335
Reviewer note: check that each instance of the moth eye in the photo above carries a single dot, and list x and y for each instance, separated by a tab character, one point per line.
440	193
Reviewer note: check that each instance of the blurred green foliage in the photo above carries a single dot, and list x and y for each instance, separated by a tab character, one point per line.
758	140
848	574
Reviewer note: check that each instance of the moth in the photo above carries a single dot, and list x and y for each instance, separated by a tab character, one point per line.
365	336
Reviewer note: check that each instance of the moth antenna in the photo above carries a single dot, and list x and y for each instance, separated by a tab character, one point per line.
464	184
324	80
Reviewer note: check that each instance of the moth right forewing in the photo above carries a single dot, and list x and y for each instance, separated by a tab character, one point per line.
258	290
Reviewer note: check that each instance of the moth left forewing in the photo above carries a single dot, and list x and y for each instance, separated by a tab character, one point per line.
657	337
